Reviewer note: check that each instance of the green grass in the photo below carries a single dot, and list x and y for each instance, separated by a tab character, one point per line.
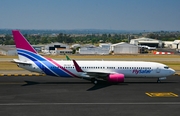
7	65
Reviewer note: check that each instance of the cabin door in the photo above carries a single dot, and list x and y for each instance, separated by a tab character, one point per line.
158	70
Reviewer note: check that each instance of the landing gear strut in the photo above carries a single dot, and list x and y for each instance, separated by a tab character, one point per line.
161	78
158	81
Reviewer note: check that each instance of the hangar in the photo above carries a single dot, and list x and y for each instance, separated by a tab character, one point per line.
124	48
94	50
5	50
57	48
148	42
172	44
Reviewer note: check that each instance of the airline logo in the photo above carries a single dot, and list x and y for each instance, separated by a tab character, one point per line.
141	71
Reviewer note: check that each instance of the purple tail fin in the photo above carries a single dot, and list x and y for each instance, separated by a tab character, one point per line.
21	42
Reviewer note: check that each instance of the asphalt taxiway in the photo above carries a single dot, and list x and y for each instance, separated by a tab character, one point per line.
45	95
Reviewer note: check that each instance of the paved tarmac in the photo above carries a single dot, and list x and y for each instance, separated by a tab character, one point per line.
52	96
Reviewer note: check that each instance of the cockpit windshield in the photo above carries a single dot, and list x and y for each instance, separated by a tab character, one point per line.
166	67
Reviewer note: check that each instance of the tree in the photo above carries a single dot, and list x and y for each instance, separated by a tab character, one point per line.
44	40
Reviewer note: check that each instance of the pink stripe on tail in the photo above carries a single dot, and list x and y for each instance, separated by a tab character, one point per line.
21	41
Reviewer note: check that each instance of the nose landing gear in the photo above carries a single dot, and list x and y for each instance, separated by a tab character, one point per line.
161	78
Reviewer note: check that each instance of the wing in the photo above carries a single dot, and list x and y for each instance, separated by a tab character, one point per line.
94	74
105	75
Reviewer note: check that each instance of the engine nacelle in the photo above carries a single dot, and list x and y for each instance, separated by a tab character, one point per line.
116	78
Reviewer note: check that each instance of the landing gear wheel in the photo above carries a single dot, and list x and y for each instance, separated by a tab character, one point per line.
158	81
94	81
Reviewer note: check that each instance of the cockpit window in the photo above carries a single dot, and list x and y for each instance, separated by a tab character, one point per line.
166	67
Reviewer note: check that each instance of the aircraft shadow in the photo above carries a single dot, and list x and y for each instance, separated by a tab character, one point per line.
126	83
35	83
100	85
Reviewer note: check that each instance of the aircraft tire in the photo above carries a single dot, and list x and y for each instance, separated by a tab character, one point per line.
94	81
158	81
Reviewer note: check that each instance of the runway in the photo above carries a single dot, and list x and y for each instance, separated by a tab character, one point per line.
45	95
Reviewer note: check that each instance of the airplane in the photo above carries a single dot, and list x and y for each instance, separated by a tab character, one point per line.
67	57
110	71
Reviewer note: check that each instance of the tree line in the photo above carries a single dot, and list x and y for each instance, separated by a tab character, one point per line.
89	39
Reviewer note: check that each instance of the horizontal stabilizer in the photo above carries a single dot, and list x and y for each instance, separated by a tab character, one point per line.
21	62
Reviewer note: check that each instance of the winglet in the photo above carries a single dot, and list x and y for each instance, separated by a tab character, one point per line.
78	68
67	57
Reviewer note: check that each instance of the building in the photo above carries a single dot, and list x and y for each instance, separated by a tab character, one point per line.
94	50
38	48
148	42
57	48
172	44
124	48
74	46
103	49
4	50
63	51
105	45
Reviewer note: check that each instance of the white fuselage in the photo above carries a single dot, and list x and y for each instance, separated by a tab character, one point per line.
128	68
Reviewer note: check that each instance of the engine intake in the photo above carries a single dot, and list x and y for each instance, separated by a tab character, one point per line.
116	78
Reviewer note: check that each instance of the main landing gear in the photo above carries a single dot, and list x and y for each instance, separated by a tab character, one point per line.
95	81
158	81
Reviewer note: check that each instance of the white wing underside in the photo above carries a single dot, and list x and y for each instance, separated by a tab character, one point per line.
96	74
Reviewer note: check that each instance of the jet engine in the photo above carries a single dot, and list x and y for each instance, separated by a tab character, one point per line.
116	78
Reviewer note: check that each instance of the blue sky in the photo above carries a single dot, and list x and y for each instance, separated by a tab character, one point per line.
90	14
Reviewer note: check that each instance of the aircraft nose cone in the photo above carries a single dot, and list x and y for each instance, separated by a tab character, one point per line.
173	71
